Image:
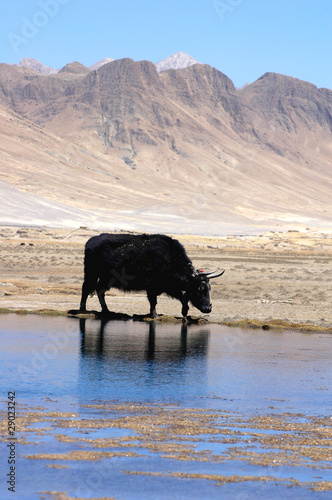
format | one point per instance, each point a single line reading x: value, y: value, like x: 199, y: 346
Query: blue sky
x: 242, y: 38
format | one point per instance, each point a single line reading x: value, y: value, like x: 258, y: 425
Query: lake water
x: 135, y: 410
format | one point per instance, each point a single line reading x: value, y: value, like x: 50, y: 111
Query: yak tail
x: 91, y: 272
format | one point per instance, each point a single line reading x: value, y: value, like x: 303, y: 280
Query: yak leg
x: 185, y: 308
x: 153, y: 302
x: 101, y: 290
x: 86, y: 289
x: 101, y: 297
x: 184, y: 299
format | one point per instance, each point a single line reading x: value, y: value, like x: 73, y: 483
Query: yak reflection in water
x: 133, y: 356
x: 115, y: 339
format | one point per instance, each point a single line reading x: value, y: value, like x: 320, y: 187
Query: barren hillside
x: 182, y: 150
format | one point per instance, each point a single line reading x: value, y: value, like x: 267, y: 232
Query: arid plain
x: 276, y: 278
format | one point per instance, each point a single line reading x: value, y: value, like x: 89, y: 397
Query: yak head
x: 200, y: 290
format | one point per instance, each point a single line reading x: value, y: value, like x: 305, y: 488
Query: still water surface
x: 65, y: 364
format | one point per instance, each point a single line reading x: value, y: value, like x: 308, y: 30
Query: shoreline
x: 273, y: 324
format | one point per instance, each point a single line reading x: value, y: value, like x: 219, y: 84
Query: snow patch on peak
x: 29, y: 62
x: 101, y: 63
x: 179, y: 60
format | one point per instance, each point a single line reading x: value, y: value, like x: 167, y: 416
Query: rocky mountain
x: 179, y: 60
x: 180, y: 150
x: 29, y: 62
x: 75, y: 67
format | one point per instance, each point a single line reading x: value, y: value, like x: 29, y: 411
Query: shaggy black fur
x: 155, y: 263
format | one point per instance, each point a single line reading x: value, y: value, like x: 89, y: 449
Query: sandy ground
x: 274, y: 276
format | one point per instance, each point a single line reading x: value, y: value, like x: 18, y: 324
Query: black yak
x: 154, y: 263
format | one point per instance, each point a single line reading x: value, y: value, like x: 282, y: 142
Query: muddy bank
x: 276, y: 279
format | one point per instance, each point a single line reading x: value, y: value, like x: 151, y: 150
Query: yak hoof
x: 105, y: 312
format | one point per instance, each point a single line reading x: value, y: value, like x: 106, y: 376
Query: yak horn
x: 211, y: 274
x: 203, y: 274
x: 216, y: 275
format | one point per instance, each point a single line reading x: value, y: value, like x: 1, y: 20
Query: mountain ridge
x: 179, y: 60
